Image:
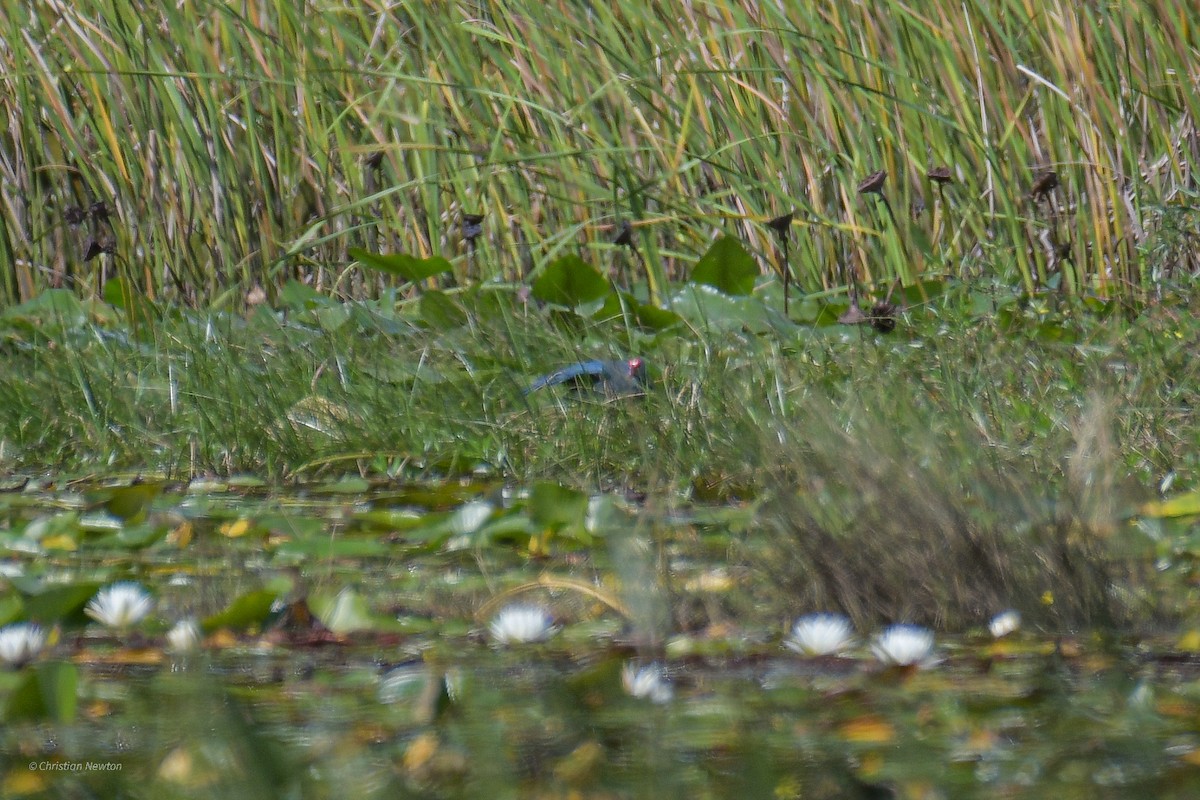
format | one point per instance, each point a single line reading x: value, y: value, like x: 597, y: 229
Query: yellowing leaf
x: 182, y: 536
x: 581, y: 766
x: 143, y: 656
x: 22, y: 781
x: 177, y: 767
x: 1190, y: 641
x: 1175, y: 708
x: 1185, y: 505
x: 870, y: 765
x: 180, y: 767
x: 222, y: 639
x: 60, y: 542
x: 235, y: 529
x: 868, y: 730
x: 97, y: 709
x: 420, y: 752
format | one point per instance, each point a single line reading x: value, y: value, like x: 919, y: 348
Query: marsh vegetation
x: 905, y: 307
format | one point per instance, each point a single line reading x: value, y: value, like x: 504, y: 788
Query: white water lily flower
x: 470, y: 516
x: 904, y: 645
x: 646, y: 683
x: 1004, y: 623
x: 184, y: 636
x: 820, y: 634
x: 21, y: 643
x: 120, y: 605
x: 520, y: 624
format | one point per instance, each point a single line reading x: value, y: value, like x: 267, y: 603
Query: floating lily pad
x: 553, y: 506
x: 48, y: 692
x: 61, y: 604
x: 246, y: 611
x: 344, y: 611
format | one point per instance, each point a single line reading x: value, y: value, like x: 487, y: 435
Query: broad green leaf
x: 137, y: 309
x: 403, y: 265
x: 61, y: 604
x: 300, y: 296
x: 345, y: 611
x: 511, y: 529
x: 708, y: 309
x: 248, y: 610
x: 325, y: 547
x: 553, y: 506
x: 647, y: 316
x: 11, y: 609
x: 440, y: 312
x: 130, y: 502
x: 333, y: 318
x: 653, y: 318
x: 387, y: 519
x: 51, y: 306
x: 47, y: 693
x: 570, y: 282
x: 132, y: 537
x: 350, y: 484
x: 727, y: 267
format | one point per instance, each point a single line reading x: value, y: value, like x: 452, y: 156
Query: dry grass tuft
x: 931, y: 527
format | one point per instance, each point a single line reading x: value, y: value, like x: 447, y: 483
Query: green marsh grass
x: 242, y: 145
x: 1006, y: 453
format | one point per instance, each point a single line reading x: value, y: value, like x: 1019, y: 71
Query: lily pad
x: 345, y: 611
x: 48, y: 692
x: 553, y: 506
x: 247, y: 610
x: 61, y: 604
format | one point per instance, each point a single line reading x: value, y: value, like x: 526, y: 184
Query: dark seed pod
x: 95, y: 248
x: 1044, y: 184
x: 940, y: 175
x: 472, y: 226
x: 781, y: 225
x: 883, y: 317
x: 624, y: 237
x: 873, y: 183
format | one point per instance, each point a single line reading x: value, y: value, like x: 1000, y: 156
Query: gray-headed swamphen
x: 611, y: 378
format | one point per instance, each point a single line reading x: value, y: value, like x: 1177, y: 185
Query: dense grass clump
x: 940, y: 526
x: 211, y: 152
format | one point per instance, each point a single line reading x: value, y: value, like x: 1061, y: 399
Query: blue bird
x: 613, y: 378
